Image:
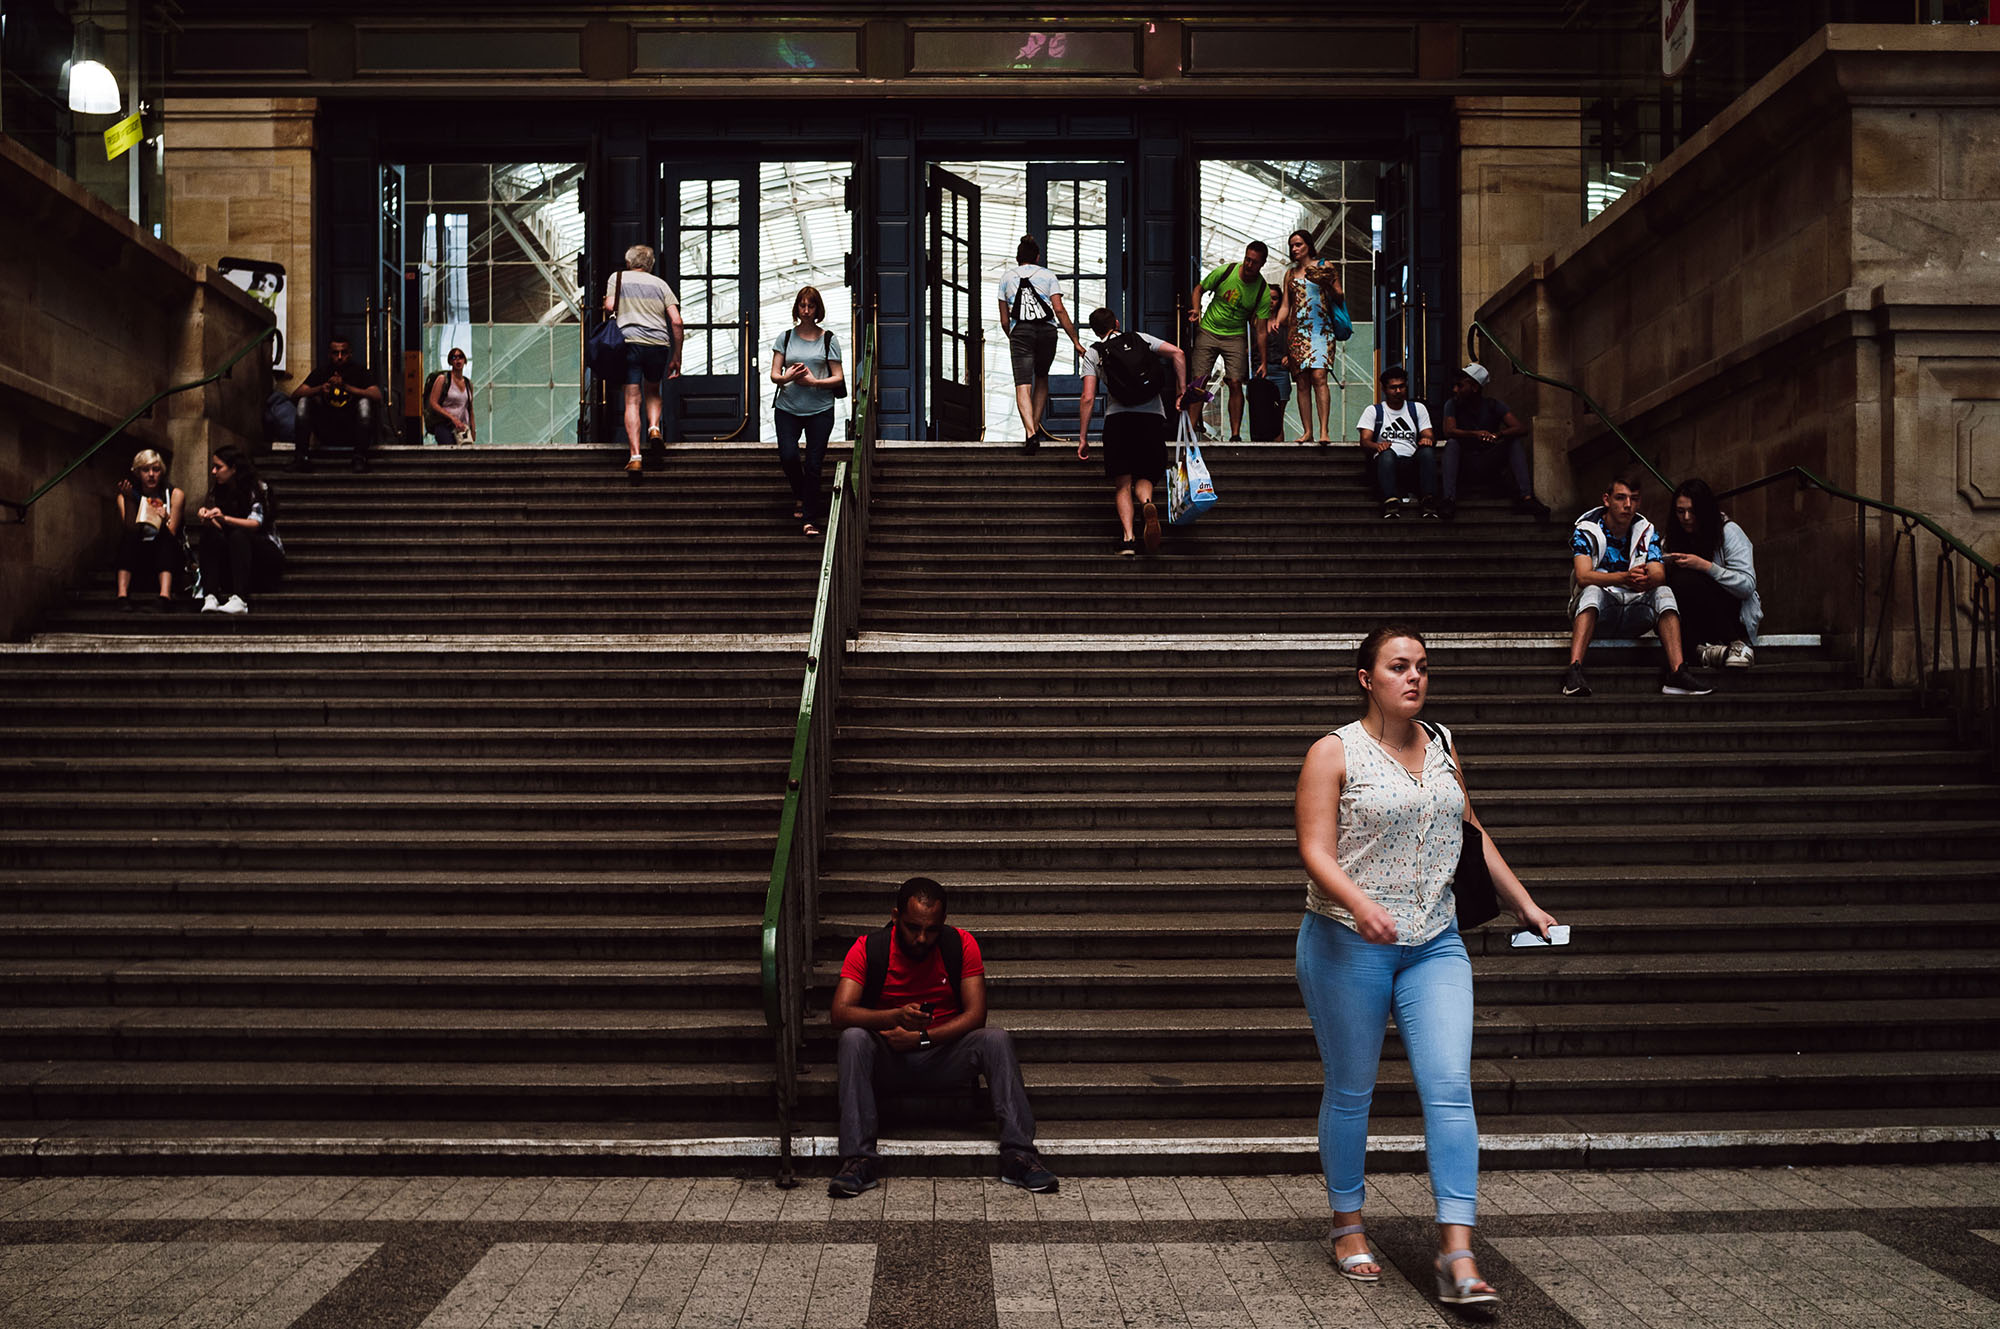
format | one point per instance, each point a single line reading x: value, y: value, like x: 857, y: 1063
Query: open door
x: 1397, y: 334
x: 708, y: 254
x: 1078, y: 212
x: 957, y: 413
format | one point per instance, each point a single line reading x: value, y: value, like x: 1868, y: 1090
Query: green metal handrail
x: 21, y: 509
x: 1811, y: 481
x: 1472, y: 349
x: 791, y: 899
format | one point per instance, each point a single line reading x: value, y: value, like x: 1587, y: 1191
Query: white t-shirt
x: 1112, y: 405
x: 1040, y: 281
x: 643, y: 301
x: 1400, y: 429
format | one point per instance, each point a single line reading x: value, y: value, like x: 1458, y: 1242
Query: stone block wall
x: 1812, y: 280
x: 1520, y: 173
x: 95, y: 317
x: 240, y: 185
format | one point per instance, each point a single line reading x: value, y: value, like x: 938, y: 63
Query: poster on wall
x: 265, y: 281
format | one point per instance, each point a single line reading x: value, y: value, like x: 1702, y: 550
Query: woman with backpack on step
x: 448, y: 403
x: 1312, y: 301
x: 806, y: 366
x: 238, y: 523
x: 1382, y: 814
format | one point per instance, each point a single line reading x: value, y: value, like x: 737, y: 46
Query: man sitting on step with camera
x: 911, y: 1009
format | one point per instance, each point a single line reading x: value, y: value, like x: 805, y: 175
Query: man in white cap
x: 1484, y: 438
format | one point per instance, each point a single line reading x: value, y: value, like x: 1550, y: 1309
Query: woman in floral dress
x: 1311, y: 290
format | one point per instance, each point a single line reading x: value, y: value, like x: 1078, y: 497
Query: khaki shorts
x: 1235, y: 353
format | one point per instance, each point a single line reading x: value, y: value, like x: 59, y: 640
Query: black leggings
x: 142, y: 557
x: 1710, y: 616
x: 236, y: 561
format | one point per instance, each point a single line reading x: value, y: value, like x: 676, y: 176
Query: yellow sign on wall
x: 122, y: 137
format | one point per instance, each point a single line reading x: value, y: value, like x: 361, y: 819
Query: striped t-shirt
x: 643, y: 301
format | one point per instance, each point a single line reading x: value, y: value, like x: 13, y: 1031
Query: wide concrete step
x: 367, y: 936
x: 404, y: 811
x: 1128, y: 803
x: 1558, y: 887
x: 466, y: 775
x: 664, y: 743
x: 424, y: 1034
x: 254, y: 713
x: 1019, y: 986
x: 650, y: 888
x: 1632, y: 929
x: 596, y: 983
x: 271, y: 615
x: 1278, y: 774
x: 255, y: 1090
x: 1251, y: 1035
x: 411, y: 848
x: 1753, y: 1082
x: 1640, y: 848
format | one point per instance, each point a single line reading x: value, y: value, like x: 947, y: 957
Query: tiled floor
x: 1915, y: 1247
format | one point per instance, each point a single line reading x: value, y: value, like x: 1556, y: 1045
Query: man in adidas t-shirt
x: 911, y: 1009
x: 1399, y: 446
x: 1135, y: 436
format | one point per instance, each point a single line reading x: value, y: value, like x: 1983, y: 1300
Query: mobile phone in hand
x: 929, y: 1009
x: 1558, y: 936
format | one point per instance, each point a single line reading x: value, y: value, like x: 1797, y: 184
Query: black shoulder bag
x: 1471, y: 883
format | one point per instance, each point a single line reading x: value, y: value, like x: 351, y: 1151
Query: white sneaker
x: 235, y: 604
x: 1740, y: 656
x: 210, y: 605
x: 1710, y: 656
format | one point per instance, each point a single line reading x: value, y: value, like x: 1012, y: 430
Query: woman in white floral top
x: 1379, y: 809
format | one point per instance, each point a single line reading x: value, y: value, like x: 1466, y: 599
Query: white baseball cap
x: 1477, y: 373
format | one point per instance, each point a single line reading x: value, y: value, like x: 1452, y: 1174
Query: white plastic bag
x: 1190, y: 488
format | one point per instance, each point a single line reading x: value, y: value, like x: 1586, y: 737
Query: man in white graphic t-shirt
x: 1399, y: 448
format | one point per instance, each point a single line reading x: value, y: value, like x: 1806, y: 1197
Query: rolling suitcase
x: 1267, y: 411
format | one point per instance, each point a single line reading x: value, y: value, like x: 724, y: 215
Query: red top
x: 924, y: 981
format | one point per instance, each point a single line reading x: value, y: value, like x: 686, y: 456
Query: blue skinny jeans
x: 1350, y: 986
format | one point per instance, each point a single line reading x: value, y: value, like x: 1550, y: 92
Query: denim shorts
x: 647, y: 361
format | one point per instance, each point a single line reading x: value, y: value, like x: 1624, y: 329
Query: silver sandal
x: 1346, y: 1263
x: 1462, y: 1291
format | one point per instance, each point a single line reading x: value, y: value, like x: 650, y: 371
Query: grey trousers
x: 868, y: 1064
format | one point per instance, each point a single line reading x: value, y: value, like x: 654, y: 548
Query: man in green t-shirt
x: 1241, y: 296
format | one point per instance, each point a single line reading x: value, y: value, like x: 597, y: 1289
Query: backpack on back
x: 951, y: 946
x: 1132, y: 374
x: 431, y: 416
x: 1029, y: 307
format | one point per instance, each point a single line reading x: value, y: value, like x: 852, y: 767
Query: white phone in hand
x: 1558, y: 936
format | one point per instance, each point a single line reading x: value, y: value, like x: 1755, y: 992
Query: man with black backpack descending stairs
x: 1130, y: 368
x: 911, y: 1009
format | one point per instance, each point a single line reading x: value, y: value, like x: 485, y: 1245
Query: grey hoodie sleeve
x: 1734, y: 567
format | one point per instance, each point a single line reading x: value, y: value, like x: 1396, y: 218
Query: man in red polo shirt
x: 911, y: 1009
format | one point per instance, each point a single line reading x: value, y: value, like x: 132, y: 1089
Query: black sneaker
x: 1031, y: 443
x: 302, y: 461
x: 1680, y: 683
x: 1128, y: 548
x: 1429, y: 509
x: 1392, y: 508
x: 855, y: 1176
x: 360, y: 462
x: 1573, y: 684
x: 1236, y: 438
x: 1026, y: 1171
x: 124, y: 604
x: 1528, y: 503
x: 1448, y: 508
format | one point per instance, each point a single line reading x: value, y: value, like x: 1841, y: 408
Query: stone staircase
x: 267, y: 878
x: 462, y: 836
x: 1798, y: 929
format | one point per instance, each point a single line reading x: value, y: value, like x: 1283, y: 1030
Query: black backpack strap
x: 877, y: 954
x: 951, y: 945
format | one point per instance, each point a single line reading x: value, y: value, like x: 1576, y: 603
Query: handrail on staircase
x: 1479, y: 329
x: 791, y: 903
x: 1972, y: 681
x: 20, y: 510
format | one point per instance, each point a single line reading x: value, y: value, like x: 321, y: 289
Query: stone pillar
x: 240, y: 185
x: 1520, y: 189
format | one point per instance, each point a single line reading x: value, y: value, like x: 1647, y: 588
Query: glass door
x: 708, y: 254
x: 956, y: 328
x: 1079, y: 213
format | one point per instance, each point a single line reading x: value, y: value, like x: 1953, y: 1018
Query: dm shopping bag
x: 1190, y: 488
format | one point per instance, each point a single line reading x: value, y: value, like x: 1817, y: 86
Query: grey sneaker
x: 1710, y: 656
x: 1026, y: 1171
x: 1573, y: 684
x: 1680, y: 683
x: 1739, y: 656
x: 855, y: 1176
